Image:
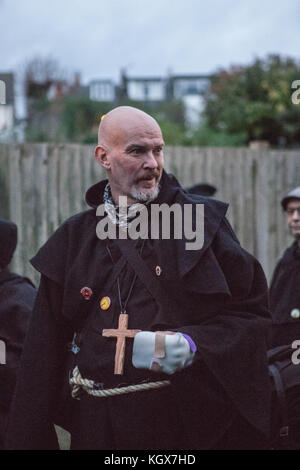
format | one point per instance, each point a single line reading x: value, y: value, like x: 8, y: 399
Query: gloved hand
x: 161, y: 351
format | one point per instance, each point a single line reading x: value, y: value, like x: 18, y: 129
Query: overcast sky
x: 98, y: 37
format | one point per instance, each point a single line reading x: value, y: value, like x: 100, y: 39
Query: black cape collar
x: 171, y: 192
x: 292, y: 253
x: 296, y: 250
x: 169, y: 188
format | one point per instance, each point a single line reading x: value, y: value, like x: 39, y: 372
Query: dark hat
x: 8, y: 241
x: 203, y: 189
x: 294, y: 194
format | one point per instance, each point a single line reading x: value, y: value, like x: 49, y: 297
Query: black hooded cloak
x: 217, y: 295
x: 17, y: 296
x: 285, y: 298
x: 8, y: 241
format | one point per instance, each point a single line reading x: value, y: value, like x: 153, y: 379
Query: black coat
x: 17, y: 295
x: 285, y: 297
x: 217, y: 295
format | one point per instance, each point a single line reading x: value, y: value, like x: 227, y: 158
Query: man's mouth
x: 149, y: 178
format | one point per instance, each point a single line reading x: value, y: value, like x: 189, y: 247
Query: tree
x: 256, y: 100
x: 42, y: 70
x: 80, y: 118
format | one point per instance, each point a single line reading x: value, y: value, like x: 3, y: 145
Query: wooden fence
x: 43, y: 184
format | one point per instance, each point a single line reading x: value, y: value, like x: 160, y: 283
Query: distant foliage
x: 255, y: 101
x: 80, y: 119
x: 242, y: 104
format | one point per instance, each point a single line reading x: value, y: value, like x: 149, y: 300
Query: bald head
x: 130, y: 148
x: 122, y: 121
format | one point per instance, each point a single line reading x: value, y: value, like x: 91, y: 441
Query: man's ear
x: 101, y: 157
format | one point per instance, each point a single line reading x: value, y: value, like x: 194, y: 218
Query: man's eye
x: 136, y: 151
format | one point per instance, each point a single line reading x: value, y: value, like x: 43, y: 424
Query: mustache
x: 149, y: 175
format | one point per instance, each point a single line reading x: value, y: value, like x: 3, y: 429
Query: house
x: 189, y: 89
x: 148, y: 89
x: 52, y: 90
x: 152, y: 90
x: 102, y: 90
x: 188, y: 85
x: 45, y: 105
x: 7, y: 103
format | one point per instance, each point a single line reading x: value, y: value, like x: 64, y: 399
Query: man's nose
x: 296, y: 215
x: 150, y: 161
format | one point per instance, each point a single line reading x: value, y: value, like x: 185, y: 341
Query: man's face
x: 293, y: 217
x: 136, y: 163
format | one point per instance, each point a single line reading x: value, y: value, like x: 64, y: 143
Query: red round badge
x: 86, y: 293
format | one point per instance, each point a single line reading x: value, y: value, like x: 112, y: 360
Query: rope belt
x: 78, y: 383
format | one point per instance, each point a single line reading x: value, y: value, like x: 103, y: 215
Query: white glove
x: 161, y: 351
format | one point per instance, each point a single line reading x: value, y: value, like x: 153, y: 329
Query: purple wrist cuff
x: 193, y: 347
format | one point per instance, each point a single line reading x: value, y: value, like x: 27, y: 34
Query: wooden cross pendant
x: 121, y: 334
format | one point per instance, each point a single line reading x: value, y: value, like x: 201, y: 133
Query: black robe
x: 285, y: 297
x: 17, y: 296
x: 217, y: 295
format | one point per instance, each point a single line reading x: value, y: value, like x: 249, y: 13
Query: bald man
x: 130, y: 149
x: 140, y: 342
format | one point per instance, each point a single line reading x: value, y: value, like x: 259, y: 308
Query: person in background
x: 17, y: 296
x: 202, y: 189
x: 285, y: 284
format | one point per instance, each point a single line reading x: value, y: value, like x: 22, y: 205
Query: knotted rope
x: 78, y: 383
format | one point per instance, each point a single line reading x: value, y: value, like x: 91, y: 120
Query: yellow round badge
x: 105, y: 303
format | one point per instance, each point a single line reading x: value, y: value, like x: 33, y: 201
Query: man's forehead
x: 154, y: 138
x: 140, y: 135
x: 293, y: 203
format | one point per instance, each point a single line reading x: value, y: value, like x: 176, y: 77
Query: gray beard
x: 145, y: 196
